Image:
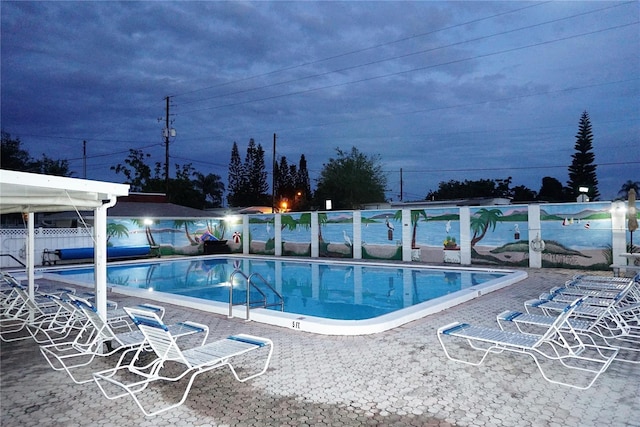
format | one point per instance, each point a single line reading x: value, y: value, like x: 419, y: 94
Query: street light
x: 583, y: 194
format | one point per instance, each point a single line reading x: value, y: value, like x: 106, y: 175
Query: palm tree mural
x: 218, y: 229
x: 146, y: 223
x: 116, y: 229
x: 481, y: 221
x: 181, y: 223
x: 322, y: 221
x: 305, y: 220
x: 287, y: 221
x: 415, y: 218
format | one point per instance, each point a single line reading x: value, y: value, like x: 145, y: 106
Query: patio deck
x: 395, y: 378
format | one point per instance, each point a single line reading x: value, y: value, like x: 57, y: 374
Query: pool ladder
x: 251, y: 283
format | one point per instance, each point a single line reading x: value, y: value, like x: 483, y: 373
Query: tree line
x: 349, y: 179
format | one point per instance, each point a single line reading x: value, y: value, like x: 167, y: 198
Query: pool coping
x: 319, y: 325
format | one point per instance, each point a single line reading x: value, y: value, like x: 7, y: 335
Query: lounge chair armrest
x: 508, y: 315
x: 252, y: 339
x: 449, y: 327
x: 158, y: 309
x: 197, y: 326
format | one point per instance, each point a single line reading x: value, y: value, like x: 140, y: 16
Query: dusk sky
x: 440, y: 90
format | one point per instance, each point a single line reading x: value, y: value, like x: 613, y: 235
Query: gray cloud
x: 443, y: 90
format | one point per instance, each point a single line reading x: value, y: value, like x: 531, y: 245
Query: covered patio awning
x: 22, y: 192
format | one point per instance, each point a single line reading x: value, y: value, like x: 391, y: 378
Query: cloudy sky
x: 439, y: 90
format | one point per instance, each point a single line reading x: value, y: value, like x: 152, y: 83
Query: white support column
x: 465, y: 235
x: 30, y: 253
x: 100, y: 257
x: 535, y: 237
x: 619, y: 232
x: 357, y: 235
x: 245, y: 234
x: 277, y: 234
x: 406, y: 234
x: 315, y: 229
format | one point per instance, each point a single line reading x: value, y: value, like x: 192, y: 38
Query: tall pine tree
x: 303, y: 184
x: 582, y: 172
x: 236, y: 178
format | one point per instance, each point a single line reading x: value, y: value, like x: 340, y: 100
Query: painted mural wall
x: 380, y: 239
x: 577, y: 235
x: 335, y: 238
x: 435, y: 235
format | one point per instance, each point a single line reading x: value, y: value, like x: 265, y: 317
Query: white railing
x: 12, y: 246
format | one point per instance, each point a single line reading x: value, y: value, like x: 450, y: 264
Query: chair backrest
x: 27, y: 303
x: 561, y: 323
x: 156, y: 334
x: 104, y: 331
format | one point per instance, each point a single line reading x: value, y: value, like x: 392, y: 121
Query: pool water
x: 330, y: 290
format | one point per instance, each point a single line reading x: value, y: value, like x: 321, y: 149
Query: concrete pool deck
x: 400, y: 377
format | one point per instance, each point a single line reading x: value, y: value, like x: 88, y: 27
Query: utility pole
x: 166, y: 143
x: 167, y: 133
x: 84, y: 158
x: 401, y: 184
x: 273, y: 177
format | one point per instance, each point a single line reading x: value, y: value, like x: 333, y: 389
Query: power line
x: 342, y: 70
x: 436, y: 170
x: 397, y: 73
x: 340, y: 55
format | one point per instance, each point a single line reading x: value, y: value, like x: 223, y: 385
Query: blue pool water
x: 332, y: 290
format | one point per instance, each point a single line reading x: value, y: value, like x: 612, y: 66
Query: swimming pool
x: 329, y: 297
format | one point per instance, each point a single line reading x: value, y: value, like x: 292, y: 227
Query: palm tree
x: 116, y: 229
x: 147, y: 229
x: 211, y: 186
x: 481, y: 222
x: 415, y: 218
x: 624, y: 190
x: 288, y: 222
x: 181, y: 223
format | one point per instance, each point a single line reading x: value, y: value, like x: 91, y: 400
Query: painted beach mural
x: 296, y: 234
x: 168, y: 237
x: 500, y: 235
x: 262, y: 234
x: 571, y: 235
x: 335, y: 236
x: 435, y: 234
x: 577, y: 235
x: 381, y: 234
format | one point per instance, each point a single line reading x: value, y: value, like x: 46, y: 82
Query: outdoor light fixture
x: 148, y: 221
x: 327, y: 204
x: 583, y: 194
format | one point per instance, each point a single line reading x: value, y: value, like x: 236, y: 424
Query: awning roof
x: 29, y: 192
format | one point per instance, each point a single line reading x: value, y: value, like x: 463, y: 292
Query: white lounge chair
x: 25, y: 311
x: 625, y: 339
x: 623, y: 310
x: 132, y: 380
x: 559, y: 343
x: 88, y: 344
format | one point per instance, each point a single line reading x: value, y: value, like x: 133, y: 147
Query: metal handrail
x: 271, y: 288
x: 14, y: 258
x: 250, y: 284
